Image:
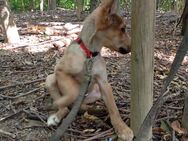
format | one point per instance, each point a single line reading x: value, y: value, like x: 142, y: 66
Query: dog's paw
x: 125, y: 133
x: 53, y: 120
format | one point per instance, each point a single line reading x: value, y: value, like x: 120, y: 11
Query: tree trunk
x: 143, y: 17
x: 185, y: 113
x: 7, y: 23
x: 184, y: 19
x: 41, y: 5
x: 185, y: 33
x: 51, y: 4
x: 79, y: 8
x: 32, y: 5
x: 23, y: 6
x: 158, y: 4
x: 179, y: 4
x: 117, y: 3
x: 93, y: 5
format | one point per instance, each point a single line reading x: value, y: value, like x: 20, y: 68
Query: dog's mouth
x: 123, y: 51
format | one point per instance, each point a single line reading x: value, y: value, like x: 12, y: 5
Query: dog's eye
x: 123, y: 29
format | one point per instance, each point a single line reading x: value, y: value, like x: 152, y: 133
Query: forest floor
x: 24, y: 101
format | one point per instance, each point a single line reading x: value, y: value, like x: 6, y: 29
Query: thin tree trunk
x: 143, y: 15
x: 51, y: 4
x: 185, y: 33
x: 185, y: 113
x: 41, y: 5
x: 79, y: 8
x: 7, y: 23
x: 117, y: 3
x: 23, y: 6
x: 180, y: 54
x: 93, y: 5
x: 33, y: 5
x: 158, y: 4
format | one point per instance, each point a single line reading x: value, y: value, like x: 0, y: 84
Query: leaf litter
x: 25, y: 103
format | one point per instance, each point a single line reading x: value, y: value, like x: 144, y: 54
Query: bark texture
x: 143, y: 17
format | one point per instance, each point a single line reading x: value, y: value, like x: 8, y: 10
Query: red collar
x: 87, y: 52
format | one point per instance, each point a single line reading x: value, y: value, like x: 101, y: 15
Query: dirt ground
x: 24, y: 101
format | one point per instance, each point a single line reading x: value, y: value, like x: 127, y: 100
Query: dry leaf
x: 89, y: 130
x: 177, y: 127
x: 158, y: 130
x: 90, y: 117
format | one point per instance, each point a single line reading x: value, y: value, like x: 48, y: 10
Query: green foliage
x: 167, y: 5
x: 25, y: 5
x: 28, y: 5
x: 68, y: 4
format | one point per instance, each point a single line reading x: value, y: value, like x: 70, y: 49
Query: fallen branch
x: 11, y: 115
x: 24, y: 83
x: 20, y: 95
x: 33, y: 116
x: 91, y: 110
x: 102, y: 134
x: 37, y: 44
x: 7, y: 134
x: 71, y: 116
x: 185, y: 112
x: 36, y: 115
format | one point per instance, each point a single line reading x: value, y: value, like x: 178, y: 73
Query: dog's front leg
x: 123, y: 131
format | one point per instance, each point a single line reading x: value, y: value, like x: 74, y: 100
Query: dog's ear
x: 106, y: 14
x: 114, y: 7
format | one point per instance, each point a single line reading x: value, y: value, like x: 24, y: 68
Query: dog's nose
x: 123, y: 50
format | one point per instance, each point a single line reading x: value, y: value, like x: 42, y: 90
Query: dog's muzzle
x: 123, y: 51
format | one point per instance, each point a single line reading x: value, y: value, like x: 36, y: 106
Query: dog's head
x: 110, y: 27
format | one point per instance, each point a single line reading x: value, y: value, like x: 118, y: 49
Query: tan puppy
x: 102, y: 28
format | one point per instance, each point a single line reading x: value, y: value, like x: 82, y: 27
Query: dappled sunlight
x: 45, y: 36
x: 168, y: 58
x: 43, y: 41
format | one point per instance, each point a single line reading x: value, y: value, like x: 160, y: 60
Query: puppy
x: 103, y: 27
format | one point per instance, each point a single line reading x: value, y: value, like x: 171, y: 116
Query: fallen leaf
x: 177, y: 127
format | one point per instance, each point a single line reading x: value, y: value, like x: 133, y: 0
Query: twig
x: 73, y: 136
x: 22, y: 94
x: 83, y: 89
x: 174, y: 108
x: 99, y: 135
x: 24, y: 83
x: 38, y: 44
x: 36, y: 115
x: 7, y: 134
x: 166, y: 118
x: 11, y: 115
x: 173, y: 136
x: 148, y: 121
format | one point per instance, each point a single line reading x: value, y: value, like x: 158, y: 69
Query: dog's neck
x: 93, y: 43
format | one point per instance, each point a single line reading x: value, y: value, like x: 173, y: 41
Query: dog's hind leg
x: 51, y: 85
x: 123, y: 131
x: 70, y: 88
